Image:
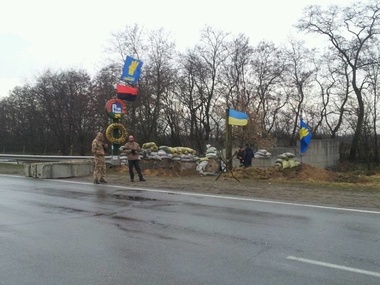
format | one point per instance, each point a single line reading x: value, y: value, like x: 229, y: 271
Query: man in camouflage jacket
x: 97, y: 149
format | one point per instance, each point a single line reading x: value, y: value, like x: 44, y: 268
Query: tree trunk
x: 359, y: 126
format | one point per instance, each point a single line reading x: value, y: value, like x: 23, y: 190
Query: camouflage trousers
x: 99, y: 167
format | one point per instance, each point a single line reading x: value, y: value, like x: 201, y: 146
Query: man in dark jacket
x: 240, y: 155
x: 248, y: 155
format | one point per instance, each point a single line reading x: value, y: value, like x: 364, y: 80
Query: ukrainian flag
x: 237, y: 118
x: 305, y: 136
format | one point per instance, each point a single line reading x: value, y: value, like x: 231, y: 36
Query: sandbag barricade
x: 208, y: 165
x: 151, y: 151
x: 286, y: 160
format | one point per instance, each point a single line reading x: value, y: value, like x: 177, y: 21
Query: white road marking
x: 335, y: 266
x: 225, y: 197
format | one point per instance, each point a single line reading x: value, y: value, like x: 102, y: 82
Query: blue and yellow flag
x: 131, y: 70
x: 305, y: 136
x: 237, y: 118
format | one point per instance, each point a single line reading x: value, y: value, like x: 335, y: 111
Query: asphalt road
x: 62, y: 232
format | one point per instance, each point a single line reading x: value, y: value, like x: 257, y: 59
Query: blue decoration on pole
x: 131, y: 70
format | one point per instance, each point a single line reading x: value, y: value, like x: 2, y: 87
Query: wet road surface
x: 61, y: 232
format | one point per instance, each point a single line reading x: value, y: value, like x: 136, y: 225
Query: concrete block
x: 62, y: 169
x: 84, y: 168
x: 43, y: 170
x: 33, y: 170
x: 27, y: 168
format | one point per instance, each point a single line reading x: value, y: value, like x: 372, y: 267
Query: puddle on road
x: 123, y: 218
x: 132, y: 197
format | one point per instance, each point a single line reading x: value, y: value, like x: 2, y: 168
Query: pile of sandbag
x: 262, y: 153
x: 286, y: 160
x: 211, y: 151
x: 210, y: 164
x: 151, y: 151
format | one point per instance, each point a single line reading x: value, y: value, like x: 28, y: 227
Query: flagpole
x: 301, y: 154
x: 228, y: 141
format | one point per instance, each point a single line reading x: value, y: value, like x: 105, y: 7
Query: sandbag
x: 149, y: 145
x: 211, y: 149
x: 201, y: 167
x: 282, y: 156
x: 289, y: 154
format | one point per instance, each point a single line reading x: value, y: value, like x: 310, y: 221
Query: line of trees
x: 183, y: 96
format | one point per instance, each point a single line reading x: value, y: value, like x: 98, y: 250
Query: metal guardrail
x: 51, y: 158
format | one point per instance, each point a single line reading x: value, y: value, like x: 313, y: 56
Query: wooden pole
x: 228, y: 141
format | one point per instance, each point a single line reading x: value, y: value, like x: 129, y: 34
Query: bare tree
x: 156, y: 83
x: 21, y: 125
x: 64, y: 98
x: 211, y: 52
x: 268, y: 66
x: 236, y: 87
x: 186, y: 92
x: 130, y: 41
x: 103, y: 89
x: 199, y: 86
x: 333, y: 81
x: 372, y: 97
x: 351, y: 31
x: 300, y: 69
x: 234, y: 77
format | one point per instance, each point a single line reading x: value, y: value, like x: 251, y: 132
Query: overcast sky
x: 39, y: 34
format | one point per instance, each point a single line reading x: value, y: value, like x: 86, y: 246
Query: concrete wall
x: 61, y: 169
x: 321, y: 153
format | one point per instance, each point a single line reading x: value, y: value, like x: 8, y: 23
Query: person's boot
x: 102, y: 180
x: 142, y: 179
x: 132, y: 180
x: 96, y: 181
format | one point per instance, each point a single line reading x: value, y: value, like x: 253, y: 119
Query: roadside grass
x: 353, y: 182
x: 11, y: 168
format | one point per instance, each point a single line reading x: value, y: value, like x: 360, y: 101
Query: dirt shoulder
x: 306, y: 185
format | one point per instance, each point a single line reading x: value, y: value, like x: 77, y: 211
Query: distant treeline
x: 183, y: 96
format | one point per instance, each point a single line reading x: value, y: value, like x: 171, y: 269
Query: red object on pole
x: 127, y: 93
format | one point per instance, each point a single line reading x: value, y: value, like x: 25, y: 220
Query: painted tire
x: 116, y: 108
x: 109, y: 133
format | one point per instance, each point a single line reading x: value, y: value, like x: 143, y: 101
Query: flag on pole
x: 131, y: 70
x: 305, y: 136
x: 237, y: 118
